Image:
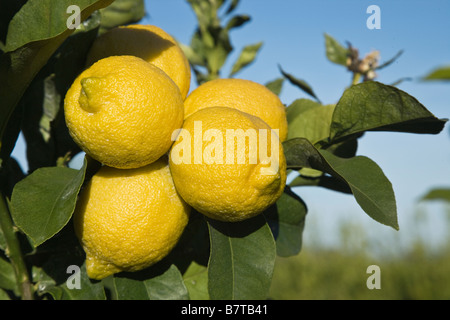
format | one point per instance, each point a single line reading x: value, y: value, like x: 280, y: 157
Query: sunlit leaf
x: 335, y: 52
x: 247, y: 56
x: 168, y: 286
x: 43, y: 202
x: 440, y: 194
x: 275, y: 85
x: 122, y: 12
x: 309, y: 120
x: 196, y: 281
x: 442, y: 73
x: 373, y: 106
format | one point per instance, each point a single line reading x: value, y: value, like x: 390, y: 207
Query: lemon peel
x: 223, y: 181
x: 128, y: 220
x: 122, y: 111
x: 150, y: 43
x: 241, y: 94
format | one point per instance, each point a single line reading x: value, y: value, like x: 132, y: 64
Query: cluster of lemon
x: 128, y: 110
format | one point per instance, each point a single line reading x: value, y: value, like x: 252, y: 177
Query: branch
x: 14, y: 253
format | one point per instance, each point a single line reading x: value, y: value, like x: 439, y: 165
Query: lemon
x: 244, y: 95
x: 227, y: 164
x: 130, y: 219
x: 122, y: 111
x: 148, y: 42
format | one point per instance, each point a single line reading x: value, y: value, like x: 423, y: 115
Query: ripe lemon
x: 122, y: 111
x: 148, y: 42
x: 224, y: 168
x: 130, y: 219
x: 244, y: 95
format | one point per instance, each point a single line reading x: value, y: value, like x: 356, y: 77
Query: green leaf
x: 195, y: 58
x: 121, y: 12
x: 166, y: 285
x: 309, y: 120
x: 7, y: 276
x: 299, y: 106
x: 2, y: 240
x: 198, y: 49
x: 29, y: 48
x: 247, y: 56
x: 242, y: 259
x: 43, y: 202
x: 129, y: 289
x: 217, y: 47
x: 205, y: 12
x: 287, y: 221
x: 275, y: 85
x: 196, y: 281
x: 336, y: 53
x: 49, y: 19
x: 442, y: 194
x: 237, y: 21
x: 299, y: 83
x: 370, y: 187
x: 372, y: 190
x: 51, y: 105
x: 4, y: 295
x: 232, y: 7
x: 442, y: 73
x: 373, y: 106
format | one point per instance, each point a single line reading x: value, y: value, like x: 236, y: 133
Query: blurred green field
x: 418, y: 272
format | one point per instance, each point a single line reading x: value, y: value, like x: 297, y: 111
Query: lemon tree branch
x: 14, y: 253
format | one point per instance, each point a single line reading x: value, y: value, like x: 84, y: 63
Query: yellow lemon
x: 244, y: 95
x: 122, y: 111
x: 227, y: 164
x: 130, y: 219
x: 148, y: 42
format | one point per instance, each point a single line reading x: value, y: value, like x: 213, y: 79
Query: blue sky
x: 293, y: 36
